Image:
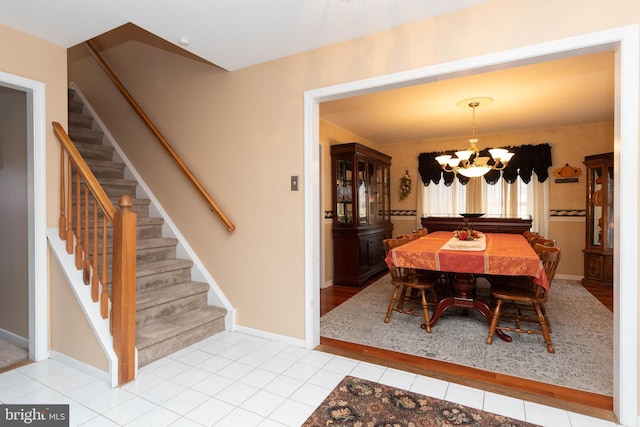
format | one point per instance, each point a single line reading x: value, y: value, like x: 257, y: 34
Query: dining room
x: 564, y: 218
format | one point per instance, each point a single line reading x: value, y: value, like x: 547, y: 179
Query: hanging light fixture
x: 468, y: 162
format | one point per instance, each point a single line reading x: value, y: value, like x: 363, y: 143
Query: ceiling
x: 565, y: 92
x: 234, y: 34
x: 231, y: 34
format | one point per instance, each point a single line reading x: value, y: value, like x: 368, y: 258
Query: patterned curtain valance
x: 526, y: 160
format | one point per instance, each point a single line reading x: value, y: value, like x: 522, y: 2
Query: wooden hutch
x: 598, y: 251
x: 361, y: 216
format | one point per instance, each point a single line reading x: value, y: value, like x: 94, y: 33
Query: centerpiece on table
x: 465, y: 231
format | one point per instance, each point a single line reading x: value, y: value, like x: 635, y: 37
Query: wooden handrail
x: 87, y: 257
x: 163, y: 141
x: 83, y: 169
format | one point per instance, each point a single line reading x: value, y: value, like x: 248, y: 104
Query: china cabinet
x: 598, y: 251
x: 361, y: 216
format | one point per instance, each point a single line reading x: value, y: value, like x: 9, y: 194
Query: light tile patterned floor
x: 238, y: 380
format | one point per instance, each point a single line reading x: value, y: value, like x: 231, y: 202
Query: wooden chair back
x: 421, y: 232
x: 542, y: 241
x: 550, y: 256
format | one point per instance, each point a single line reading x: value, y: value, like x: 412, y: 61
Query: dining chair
x: 410, y: 237
x: 404, y: 279
x: 421, y: 232
x: 542, y: 241
x: 526, y: 296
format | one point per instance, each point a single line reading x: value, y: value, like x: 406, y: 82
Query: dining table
x: 491, y: 254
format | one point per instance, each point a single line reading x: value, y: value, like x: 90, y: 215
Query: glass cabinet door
x: 608, y: 208
x: 344, y: 191
x: 596, y: 219
x: 363, y: 192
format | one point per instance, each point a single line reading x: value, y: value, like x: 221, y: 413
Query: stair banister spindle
x: 86, y: 264
x: 94, y: 278
x: 69, y: 238
x: 104, y: 298
x: 78, y: 231
x: 62, y: 223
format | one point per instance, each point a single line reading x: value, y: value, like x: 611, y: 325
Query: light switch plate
x: 294, y: 183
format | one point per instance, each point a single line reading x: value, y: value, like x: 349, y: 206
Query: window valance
x: 526, y: 160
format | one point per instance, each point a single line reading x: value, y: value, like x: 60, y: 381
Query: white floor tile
x: 185, y: 401
x: 545, y: 415
x: 317, y: 359
x: 185, y: 422
x: 191, y: 376
x: 464, y: 395
x: 170, y: 369
x: 278, y: 364
x: 109, y: 399
x: 240, y: 417
x: 340, y: 365
x: 300, y: 371
x: 585, y: 421
x: 162, y: 392
x: 235, y: 371
x: 292, y: 413
x: 236, y: 393
x: 326, y: 379
x: 504, y: 405
x: 210, y: 411
x: 258, y: 378
x: 100, y: 421
x: 157, y: 417
x: 215, y: 363
x: 194, y: 357
x: 396, y: 378
x: 212, y: 385
x: 368, y: 371
x: 263, y: 402
x: 129, y: 410
x: 432, y: 387
x: 310, y: 394
x: 283, y: 386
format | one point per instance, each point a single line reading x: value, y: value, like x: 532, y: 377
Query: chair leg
x: 425, y: 311
x: 394, y: 296
x: 544, y: 313
x: 544, y: 328
x: 494, y: 321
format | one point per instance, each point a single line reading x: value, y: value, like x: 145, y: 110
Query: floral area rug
x: 356, y: 402
x: 581, y: 330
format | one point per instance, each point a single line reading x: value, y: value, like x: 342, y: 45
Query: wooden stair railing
x: 75, y: 227
x: 163, y: 141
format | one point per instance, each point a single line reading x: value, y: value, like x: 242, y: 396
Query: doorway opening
x: 625, y: 43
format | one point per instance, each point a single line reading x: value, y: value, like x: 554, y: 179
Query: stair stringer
x: 215, y: 295
x: 90, y: 309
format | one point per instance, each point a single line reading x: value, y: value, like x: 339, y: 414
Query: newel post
x: 123, y: 292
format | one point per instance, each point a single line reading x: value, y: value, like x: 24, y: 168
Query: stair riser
x: 183, y: 305
x: 114, y: 191
x: 163, y: 279
x: 142, y: 255
x: 161, y: 349
x: 95, y: 154
x: 107, y: 172
x: 142, y: 232
x: 142, y: 209
x: 80, y: 120
x: 86, y: 135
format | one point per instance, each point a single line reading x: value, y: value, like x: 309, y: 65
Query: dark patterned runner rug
x: 356, y: 402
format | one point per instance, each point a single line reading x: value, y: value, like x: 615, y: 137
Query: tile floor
x: 234, y: 379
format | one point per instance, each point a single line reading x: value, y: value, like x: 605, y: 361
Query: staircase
x: 171, y: 309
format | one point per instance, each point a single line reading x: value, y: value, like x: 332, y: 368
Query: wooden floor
x: 560, y: 397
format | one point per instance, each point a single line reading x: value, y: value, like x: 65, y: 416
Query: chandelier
x: 468, y: 162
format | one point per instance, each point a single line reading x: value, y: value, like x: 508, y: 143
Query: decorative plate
x: 471, y: 215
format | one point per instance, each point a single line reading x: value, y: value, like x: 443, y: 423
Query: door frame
x: 36, y: 212
x: 625, y: 41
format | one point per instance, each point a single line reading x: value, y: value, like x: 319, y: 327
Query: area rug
x: 582, y: 334
x: 11, y: 354
x: 357, y: 402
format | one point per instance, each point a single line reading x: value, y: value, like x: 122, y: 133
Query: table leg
x: 464, y: 287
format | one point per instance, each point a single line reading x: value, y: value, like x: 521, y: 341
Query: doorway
x: 625, y: 42
x: 29, y: 97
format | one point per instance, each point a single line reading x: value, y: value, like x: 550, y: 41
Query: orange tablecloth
x: 506, y: 254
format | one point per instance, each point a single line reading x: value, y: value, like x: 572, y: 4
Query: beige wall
x: 242, y: 133
x: 34, y: 59
x: 14, y: 293
x: 69, y: 335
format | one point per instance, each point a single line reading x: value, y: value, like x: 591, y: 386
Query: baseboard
x: 82, y: 367
x: 270, y: 336
x: 14, y: 339
x: 568, y: 277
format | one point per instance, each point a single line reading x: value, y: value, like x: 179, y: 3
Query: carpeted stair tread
x: 90, y: 150
x: 176, y: 325
x: 168, y: 294
x: 164, y: 266
x: 80, y: 120
x: 90, y: 136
